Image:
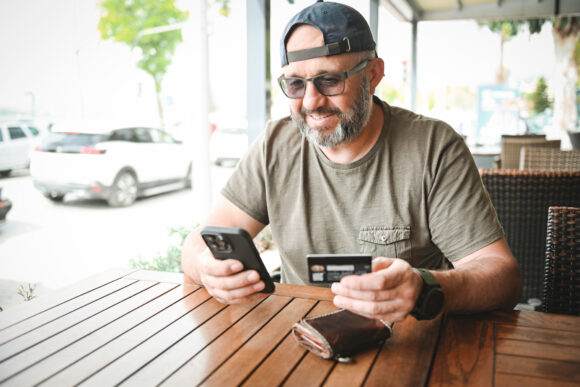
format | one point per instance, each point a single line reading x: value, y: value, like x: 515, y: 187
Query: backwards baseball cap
x: 344, y: 30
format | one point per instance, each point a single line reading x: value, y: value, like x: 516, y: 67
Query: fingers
x: 392, y: 272
x: 388, y: 293
x: 237, y: 296
x: 225, y: 280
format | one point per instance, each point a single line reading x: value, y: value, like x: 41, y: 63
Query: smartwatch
x: 430, y: 301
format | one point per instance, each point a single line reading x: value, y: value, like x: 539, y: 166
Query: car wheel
x: 124, y: 190
x: 54, y: 197
x: 5, y: 173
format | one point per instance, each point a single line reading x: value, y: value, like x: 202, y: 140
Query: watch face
x: 433, y: 302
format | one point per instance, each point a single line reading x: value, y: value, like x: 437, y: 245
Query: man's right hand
x: 225, y: 280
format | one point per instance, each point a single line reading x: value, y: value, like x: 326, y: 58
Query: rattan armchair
x: 574, y: 139
x: 521, y: 200
x: 549, y: 159
x: 511, y: 147
x: 562, y: 264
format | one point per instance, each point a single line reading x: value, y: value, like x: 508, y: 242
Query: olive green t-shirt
x: 416, y: 195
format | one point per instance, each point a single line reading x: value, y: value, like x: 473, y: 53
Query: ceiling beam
x: 505, y: 10
x: 401, y: 9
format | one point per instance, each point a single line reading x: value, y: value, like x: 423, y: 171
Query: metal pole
x: 374, y: 19
x: 202, y: 188
x: 414, y: 23
x: 257, y: 89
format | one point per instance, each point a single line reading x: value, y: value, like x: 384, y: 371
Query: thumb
x: 381, y: 263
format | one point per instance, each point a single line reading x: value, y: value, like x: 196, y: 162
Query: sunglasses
x: 328, y: 84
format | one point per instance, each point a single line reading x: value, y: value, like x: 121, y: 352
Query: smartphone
x: 236, y: 243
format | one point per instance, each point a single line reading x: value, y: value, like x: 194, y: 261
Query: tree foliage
x: 127, y: 21
x: 539, y: 97
x: 566, y: 35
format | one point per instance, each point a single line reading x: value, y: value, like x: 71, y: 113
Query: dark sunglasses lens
x: 293, y: 87
x: 329, y: 84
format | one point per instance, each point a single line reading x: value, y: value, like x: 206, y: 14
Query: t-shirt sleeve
x: 462, y: 219
x: 246, y: 188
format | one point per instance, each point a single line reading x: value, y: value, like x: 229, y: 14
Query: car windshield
x: 71, y: 141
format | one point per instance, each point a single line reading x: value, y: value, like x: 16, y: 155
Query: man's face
x: 327, y: 121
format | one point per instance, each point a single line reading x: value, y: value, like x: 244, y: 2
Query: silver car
x: 17, y: 140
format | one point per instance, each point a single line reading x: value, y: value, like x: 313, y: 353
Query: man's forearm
x: 489, y: 281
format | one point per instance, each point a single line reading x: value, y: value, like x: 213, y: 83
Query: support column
x: 414, y: 58
x: 258, y: 88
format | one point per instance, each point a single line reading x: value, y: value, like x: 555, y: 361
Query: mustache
x: 320, y: 110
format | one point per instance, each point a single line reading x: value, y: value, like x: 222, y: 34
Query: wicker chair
x: 511, y: 148
x: 521, y: 200
x: 562, y: 265
x: 549, y: 159
x: 574, y: 139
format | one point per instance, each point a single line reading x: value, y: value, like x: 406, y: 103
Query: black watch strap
x: 430, y: 301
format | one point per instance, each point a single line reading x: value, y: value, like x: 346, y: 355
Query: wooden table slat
x: 139, y: 356
x: 76, y: 331
x: 212, y: 356
x: 20, y: 312
x: 560, y: 322
x: 210, y: 320
x: 251, y: 354
x: 353, y: 374
x: 159, y: 276
x: 540, y: 368
x: 285, y: 357
x: 298, y: 291
x: 538, y: 350
x: 502, y: 379
x: 107, y: 352
x: 90, y: 343
x: 458, y: 363
x: 39, y: 319
x: 405, y: 358
x: 67, y: 321
x: 550, y: 336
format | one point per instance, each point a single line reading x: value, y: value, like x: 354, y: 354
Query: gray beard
x: 350, y: 124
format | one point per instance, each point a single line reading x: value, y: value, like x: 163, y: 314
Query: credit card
x: 328, y: 268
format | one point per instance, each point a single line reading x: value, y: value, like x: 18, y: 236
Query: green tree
x: 133, y: 22
x: 539, y: 98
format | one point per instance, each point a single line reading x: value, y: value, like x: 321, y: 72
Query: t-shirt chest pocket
x: 390, y: 242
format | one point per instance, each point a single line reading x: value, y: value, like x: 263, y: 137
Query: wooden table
x: 148, y: 328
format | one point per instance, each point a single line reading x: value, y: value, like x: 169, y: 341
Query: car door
x: 128, y: 150
x: 146, y: 158
x: 170, y: 154
x: 16, y: 147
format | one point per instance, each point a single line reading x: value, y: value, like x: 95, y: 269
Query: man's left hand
x: 388, y: 293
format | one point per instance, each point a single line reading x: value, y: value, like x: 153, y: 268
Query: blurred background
x: 205, y: 73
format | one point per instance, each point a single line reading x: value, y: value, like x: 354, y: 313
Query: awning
x: 422, y: 10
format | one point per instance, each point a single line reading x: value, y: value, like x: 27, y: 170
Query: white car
x: 117, y: 165
x: 17, y: 140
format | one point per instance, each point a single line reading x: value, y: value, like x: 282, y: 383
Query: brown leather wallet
x: 340, y: 334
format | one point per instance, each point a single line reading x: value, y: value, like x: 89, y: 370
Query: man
x: 348, y: 173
